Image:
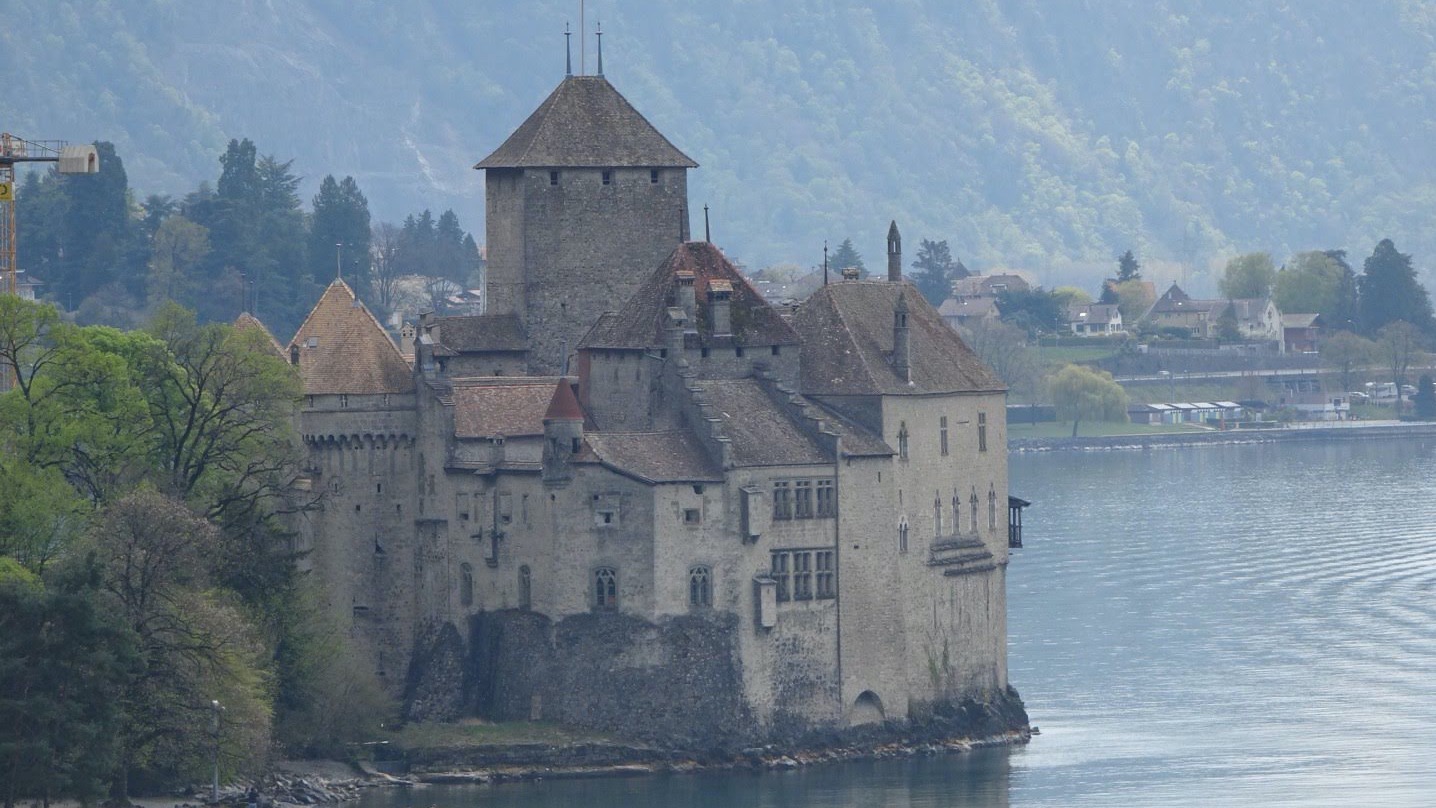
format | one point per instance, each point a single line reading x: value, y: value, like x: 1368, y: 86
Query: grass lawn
x: 473, y: 732
x: 1060, y: 356
x: 1093, y: 429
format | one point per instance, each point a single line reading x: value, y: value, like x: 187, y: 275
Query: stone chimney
x: 902, y: 345
x: 720, y: 300
x: 686, y: 295
x: 894, y: 254
x: 562, y: 432
x: 406, y: 339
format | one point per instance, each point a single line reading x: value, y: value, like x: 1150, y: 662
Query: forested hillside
x: 1035, y: 134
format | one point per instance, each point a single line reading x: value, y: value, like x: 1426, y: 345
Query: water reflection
x: 1246, y: 625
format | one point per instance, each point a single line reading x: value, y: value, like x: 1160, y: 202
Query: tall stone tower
x: 584, y: 200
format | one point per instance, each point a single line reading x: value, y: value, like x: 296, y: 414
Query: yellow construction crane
x: 70, y: 160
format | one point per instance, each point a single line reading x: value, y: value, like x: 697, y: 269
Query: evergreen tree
x: 1425, y: 398
x: 1127, y: 268
x: 846, y: 257
x: 1389, y: 291
x: 449, y: 249
x: 341, y: 216
x: 935, y: 271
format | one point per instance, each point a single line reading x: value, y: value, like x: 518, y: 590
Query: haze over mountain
x: 1050, y: 136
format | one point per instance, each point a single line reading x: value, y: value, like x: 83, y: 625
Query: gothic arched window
x: 972, y: 511
x: 700, y: 587
x: 902, y: 440
x: 605, y: 588
x: 902, y: 535
x: 466, y: 584
x: 526, y: 588
x: 991, y: 507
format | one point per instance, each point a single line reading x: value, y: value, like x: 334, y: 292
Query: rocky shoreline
x: 301, y: 783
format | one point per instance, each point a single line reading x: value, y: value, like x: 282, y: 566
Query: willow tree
x: 1080, y: 393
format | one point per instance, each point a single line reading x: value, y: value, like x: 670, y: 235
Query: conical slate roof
x: 564, y: 404
x: 344, y: 350
x: 248, y: 322
x: 586, y: 123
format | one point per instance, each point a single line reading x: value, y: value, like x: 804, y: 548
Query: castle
x: 634, y: 496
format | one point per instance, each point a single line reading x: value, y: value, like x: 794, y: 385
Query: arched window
x: 526, y: 588
x: 902, y: 440
x: 466, y: 585
x: 991, y: 507
x: 700, y: 587
x: 956, y: 511
x: 605, y: 588
x: 937, y: 513
x: 972, y: 511
x: 942, y: 434
x: 902, y: 535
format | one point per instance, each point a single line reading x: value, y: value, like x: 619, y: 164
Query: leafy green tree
x: 1081, y: 394
x: 1069, y: 296
x: 1346, y: 352
x: 1346, y: 308
x: 1390, y: 291
x: 846, y: 257
x: 194, y: 646
x: 1035, y: 311
x: 1311, y: 282
x: 1425, y: 398
x: 177, y: 251
x: 936, y: 270
x: 64, y: 662
x: 1127, y: 268
x: 1133, y: 298
x: 1248, y: 276
x: 1398, y: 344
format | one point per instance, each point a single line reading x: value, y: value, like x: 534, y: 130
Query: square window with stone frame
x: 827, y: 500
x: 782, y: 500
x: 802, y: 576
x: 803, y: 499
x: 827, y: 577
x: 778, y: 571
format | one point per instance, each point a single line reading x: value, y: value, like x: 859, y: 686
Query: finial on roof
x: 567, y: 51
x: 338, y: 266
x: 825, y: 262
x: 600, y: 48
x: 707, y: 233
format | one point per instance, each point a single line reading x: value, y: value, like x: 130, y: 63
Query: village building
x: 632, y: 495
x: 1095, y: 320
x: 1249, y: 319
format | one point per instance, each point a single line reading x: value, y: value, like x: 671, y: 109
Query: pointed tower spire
x: 600, y: 48
x: 567, y: 51
x: 894, y: 254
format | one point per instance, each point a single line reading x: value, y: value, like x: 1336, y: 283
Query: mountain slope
x: 1045, y: 135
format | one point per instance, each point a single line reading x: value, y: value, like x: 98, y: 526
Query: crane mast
x: 15, y: 150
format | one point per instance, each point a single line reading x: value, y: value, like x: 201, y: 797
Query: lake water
x: 1235, y: 625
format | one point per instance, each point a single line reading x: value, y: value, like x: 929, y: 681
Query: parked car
x: 1358, y: 397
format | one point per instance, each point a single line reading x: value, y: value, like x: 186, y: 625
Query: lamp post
x: 214, y: 783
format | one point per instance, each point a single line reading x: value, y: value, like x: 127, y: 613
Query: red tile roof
x: 344, y: 350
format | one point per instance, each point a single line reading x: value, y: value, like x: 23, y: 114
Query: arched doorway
x: 867, y: 709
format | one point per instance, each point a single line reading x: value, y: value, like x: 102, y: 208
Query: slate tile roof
x: 657, y: 457
x: 586, y: 123
x: 482, y: 332
x: 508, y: 407
x: 248, y: 322
x: 847, y: 332
x: 344, y: 350
x: 856, y: 438
x: 762, y: 431
x: 641, y: 321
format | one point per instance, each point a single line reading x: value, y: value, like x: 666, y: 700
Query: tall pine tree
x: 1390, y: 292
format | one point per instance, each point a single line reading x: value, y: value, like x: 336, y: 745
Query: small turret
x: 902, y: 346
x: 562, y: 432
x: 894, y: 254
